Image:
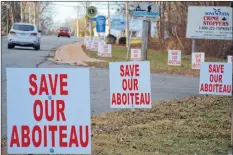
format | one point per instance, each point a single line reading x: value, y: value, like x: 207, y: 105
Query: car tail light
x: 33, y: 34
x: 12, y: 32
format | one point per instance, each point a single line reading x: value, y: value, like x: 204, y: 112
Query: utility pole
x: 77, y: 29
x: 34, y: 8
x: 29, y: 12
x: 109, y: 27
x: 7, y: 21
x: 21, y: 11
x: 86, y: 20
x: 127, y: 29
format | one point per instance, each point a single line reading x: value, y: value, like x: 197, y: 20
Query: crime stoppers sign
x: 209, y: 22
x: 48, y: 111
x: 130, y: 84
x: 174, y: 57
x: 215, y: 78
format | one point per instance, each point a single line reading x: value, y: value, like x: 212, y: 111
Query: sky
x: 67, y: 10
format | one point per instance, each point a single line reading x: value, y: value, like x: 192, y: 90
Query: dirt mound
x: 73, y: 54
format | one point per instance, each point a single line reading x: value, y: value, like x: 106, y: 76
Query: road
x: 164, y: 87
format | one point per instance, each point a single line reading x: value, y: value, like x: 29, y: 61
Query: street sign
x: 174, y: 57
x: 146, y: 11
x: 135, y: 54
x: 48, y: 111
x: 197, y: 58
x: 215, y: 78
x: 130, y: 85
x: 100, y: 24
x: 118, y: 24
x: 209, y: 23
x: 91, y: 19
x: 91, y: 11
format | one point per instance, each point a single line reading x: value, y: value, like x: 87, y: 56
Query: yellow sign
x: 91, y: 11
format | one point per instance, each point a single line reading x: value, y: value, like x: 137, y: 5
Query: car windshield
x: 23, y: 27
x: 64, y: 28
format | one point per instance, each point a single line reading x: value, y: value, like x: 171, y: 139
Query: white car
x: 26, y: 35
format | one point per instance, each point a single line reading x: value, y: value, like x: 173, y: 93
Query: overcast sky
x: 68, y: 10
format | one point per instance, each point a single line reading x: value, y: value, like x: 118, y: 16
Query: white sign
x: 94, y: 45
x: 174, y: 57
x: 100, y: 47
x: 146, y: 11
x: 229, y: 59
x: 48, y: 111
x: 136, y: 54
x: 88, y: 45
x: 209, y: 23
x: 197, y: 58
x: 215, y: 78
x: 130, y: 84
x: 106, y: 50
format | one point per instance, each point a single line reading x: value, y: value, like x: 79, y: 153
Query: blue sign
x: 118, y: 24
x: 100, y: 23
x: 92, y: 19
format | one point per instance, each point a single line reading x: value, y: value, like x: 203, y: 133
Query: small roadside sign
x: 215, y: 78
x: 135, y: 54
x: 53, y: 115
x: 100, y: 46
x: 197, y: 58
x: 106, y: 50
x: 174, y: 57
x: 94, y: 45
x: 130, y: 85
x: 88, y: 45
x: 146, y: 11
x: 229, y: 58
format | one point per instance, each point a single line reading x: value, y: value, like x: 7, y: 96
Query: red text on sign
x: 218, y: 88
x: 57, y: 108
x: 45, y: 81
x: 131, y: 98
x: 216, y: 78
x: 130, y: 84
x: 213, y: 68
x: 129, y: 70
x: 37, y: 136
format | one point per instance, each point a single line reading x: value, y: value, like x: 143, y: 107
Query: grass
x: 157, y: 59
x: 194, y: 125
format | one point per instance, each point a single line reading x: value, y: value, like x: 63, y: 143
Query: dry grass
x: 194, y: 125
x: 158, y: 61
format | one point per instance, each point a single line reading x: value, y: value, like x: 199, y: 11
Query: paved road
x: 164, y: 87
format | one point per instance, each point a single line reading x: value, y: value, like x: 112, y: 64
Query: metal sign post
x: 145, y: 31
x: 146, y: 12
x: 193, y: 45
